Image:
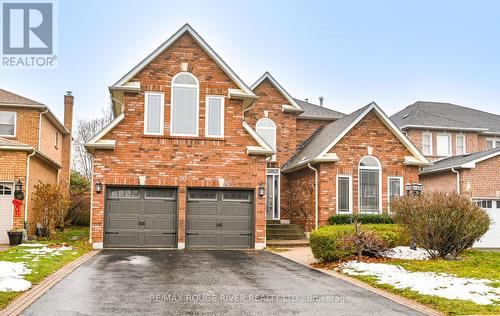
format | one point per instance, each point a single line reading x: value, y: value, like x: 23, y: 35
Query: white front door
x: 273, y: 193
x: 492, y: 237
x: 6, y: 196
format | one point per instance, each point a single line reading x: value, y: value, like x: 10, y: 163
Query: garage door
x: 141, y: 217
x: 219, y: 219
x: 5, y: 211
x: 492, y: 237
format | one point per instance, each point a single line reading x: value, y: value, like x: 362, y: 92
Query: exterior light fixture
x: 261, y: 190
x: 98, y: 187
x: 18, y: 190
x: 18, y: 186
x: 414, y: 187
x: 408, y: 188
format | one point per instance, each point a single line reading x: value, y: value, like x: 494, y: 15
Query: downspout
x: 28, y: 168
x: 316, y: 211
x: 458, y: 179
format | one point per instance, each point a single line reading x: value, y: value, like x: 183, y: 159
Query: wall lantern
x: 414, y: 189
x: 18, y: 191
x: 18, y: 186
x: 261, y: 190
x: 408, y: 188
x: 98, y: 187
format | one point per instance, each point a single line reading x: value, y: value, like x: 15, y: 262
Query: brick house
x: 34, y: 147
x: 195, y: 158
x: 464, y: 145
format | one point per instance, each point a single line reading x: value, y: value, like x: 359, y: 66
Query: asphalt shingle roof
x: 313, y: 111
x: 7, y: 97
x: 321, y: 139
x: 446, y: 115
x: 10, y: 142
x: 456, y: 161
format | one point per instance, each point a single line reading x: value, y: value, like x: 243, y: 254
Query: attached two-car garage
x: 138, y: 217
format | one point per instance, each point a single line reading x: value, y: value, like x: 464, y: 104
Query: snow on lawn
x: 427, y: 283
x: 11, y: 277
x: 47, y: 251
x: 32, y: 245
x: 404, y: 252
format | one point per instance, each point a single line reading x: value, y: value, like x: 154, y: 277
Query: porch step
x: 275, y: 231
x: 287, y: 243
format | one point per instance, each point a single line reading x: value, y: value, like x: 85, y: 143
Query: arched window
x: 370, y: 188
x: 266, y: 128
x: 184, y: 113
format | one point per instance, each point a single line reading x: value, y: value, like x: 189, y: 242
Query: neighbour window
x: 7, y: 123
x: 344, y: 194
x: 460, y: 145
x: 369, y: 185
x: 443, y: 145
x: 185, y: 105
x: 484, y: 203
x: 153, y: 113
x: 214, y: 117
x: 395, y: 188
x: 427, y: 144
x: 493, y: 143
x: 267, y: 130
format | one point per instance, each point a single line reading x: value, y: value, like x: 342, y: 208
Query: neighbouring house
x: 463, y: 144
x: 196, y: 158
x: 34, y: 147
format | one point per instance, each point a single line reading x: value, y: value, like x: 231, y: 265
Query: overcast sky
x: 350, y: 52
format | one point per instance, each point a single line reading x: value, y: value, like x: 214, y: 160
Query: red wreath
x: 17, y: 207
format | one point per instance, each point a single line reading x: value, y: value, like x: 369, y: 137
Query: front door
x: 273, y: 194
x: 5, y: 211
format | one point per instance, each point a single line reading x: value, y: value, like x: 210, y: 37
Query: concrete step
x: 285, y: 231
x: 285, y: 236
x: 273, y: 221
x: 287, y: 243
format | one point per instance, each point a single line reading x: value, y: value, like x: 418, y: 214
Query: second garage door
x: 219, y: 219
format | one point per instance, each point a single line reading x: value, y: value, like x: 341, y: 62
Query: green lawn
x: 43, y: 266
x: 475, y: 264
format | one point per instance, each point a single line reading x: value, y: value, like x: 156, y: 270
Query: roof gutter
x: 316, y: 209
x: 458, y: 179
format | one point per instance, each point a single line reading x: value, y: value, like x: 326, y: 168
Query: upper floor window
x: 267, y: 130
x: 184, y: 112
x: 427, y: 143
x: 8, y: 123
x: 153, y: 113
x: 493, y: 142
x: 443, y: 142
x: 370, y: 190
x: 460, y: 150
x: 214, y: 116
x: 56, y: 140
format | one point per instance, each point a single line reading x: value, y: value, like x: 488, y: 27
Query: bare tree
x: 85, y: 130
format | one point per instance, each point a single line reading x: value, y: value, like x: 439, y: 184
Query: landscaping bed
x: 23, y: 266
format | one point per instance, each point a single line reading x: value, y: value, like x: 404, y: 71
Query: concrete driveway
x: 205, y: 282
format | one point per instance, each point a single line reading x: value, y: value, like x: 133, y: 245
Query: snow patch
x: 406, y: 253
x: 427, y: 283
x: 48, y: 251
x: 11, y: 277
x: 32, y: 245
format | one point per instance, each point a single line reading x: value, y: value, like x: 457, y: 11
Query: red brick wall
x: 439, y: 182
x: 179, y: 161
x: 484, y: 179
x: 27, y: 125
x: 13, y: 168
x: 370, y: 131
x: 305, y: 128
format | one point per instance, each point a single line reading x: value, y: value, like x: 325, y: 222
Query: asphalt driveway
x: 116, y: 282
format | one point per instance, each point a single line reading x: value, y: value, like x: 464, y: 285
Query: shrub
x: 362, y: 218
x: 79, y: 194
x: 50, y: 206
x: 444, y: 224
x: 335, y: 242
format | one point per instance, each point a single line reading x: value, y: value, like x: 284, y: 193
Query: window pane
x: 497, y: 143
x: 202, y: 195
x: 7, y: 123
x: 236, y: 196
x: 185, y: 79
x: 123, y: 193
x: 184, y: 110
x: 369, y: 190
x: 343, y: 191
x: 460, y: 145
x: 489, y: 144
x: 443, y: 145
x: 160, y: 194
x: 214, y: 119
x: 394, y: 188
x: 369, y: 162
x: 154, y: 118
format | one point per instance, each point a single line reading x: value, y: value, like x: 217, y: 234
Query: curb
x: 26, y: 299
x: 393, y: 297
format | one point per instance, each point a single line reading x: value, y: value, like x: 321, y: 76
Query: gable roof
x: 185, y: 29
x: 461, y: 161
x: 293, y: 102
x: 316, y: 112
x: 13, y: 144
x: 437, y: 115
x: 319, y: 145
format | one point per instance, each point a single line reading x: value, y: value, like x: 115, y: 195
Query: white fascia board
x: 132, y: 86
x: 289, y: 108
x: 201, y: 42
x: 240, y: 94
x: 19, y: 148
x: 451, y: 128
x: 257, y: 137
x: 412, y: 161
x: 257, y: 150
x: 267, y: 75
x: 329, y: 157
x: 101, y: 144
x: 106, y: 129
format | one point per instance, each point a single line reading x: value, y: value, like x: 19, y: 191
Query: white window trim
x: 162, y: 112
x: 430, y: 146
x: 279, y: 189
x: 197, y: 104
x: 457, y: 136
x: 15, y: 124
x: 207, y: 105
x: 493, y: 140
x: 273, y: 146
x: 379, y: 184
x: 337, y: 192
x: 449, y: 144
x: 401, y: 189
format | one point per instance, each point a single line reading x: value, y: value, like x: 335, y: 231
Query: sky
x: 350, y: 52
